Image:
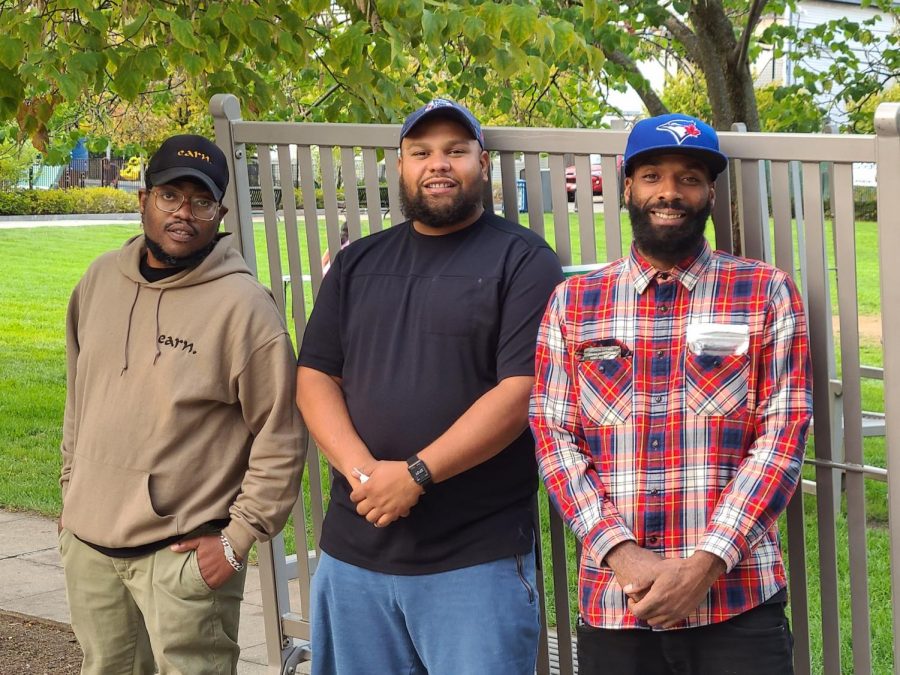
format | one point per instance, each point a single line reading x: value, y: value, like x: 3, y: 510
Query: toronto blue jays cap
x: 678, y: 134
x: 445, y: 108
x: 189, y: 156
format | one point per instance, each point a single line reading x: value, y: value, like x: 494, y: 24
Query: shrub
x: 71, y: 201
x: 865, y: 205
x: 864, y: 199
x: 14, y: 203
x: 15, y: 160
x: 320, y: 197
x: 107, y: 200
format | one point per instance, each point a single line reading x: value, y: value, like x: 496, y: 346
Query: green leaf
x: 70, y: 85
x: 473, y: 27
x: 588, y: 7
x: 97, y: 20
x: 12, y: 51
x: 481, y: 47
x: 43, y: 110
x: 149, y: 62
x: 260, y: 30
x: 381, y: 53
x: 504, y: 103
x: 183, y: 33
x: 564, y: 37
x: 192, y: 63
x: 246, y: 12
x: 32, y: 33
x: 86, y: 62
x: 493, y: 16
x: 128, y: 79
x: 388, y: 9
x: 520, y: 23
x: 539, y: 70
x: 506, y: 65
x: 411, y: 9
x: 432, y: 28
x: 140, y: 21
x: 164, y: 15
x: 233, y: 21
x: 215, y: 10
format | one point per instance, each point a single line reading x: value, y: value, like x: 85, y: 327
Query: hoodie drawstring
x: 137, y: 291
x: 156, y: 340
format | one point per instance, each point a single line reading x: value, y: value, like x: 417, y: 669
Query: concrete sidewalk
x: 13, y: 222
x: 33, y: 584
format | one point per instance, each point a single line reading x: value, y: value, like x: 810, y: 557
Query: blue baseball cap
x: 677, y: 134
x: 445, y: 108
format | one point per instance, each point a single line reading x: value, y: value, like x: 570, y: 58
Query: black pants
x: 757, y: 641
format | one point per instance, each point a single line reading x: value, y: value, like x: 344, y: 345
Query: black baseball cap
x: 189, y: 156
x: 446, y: 108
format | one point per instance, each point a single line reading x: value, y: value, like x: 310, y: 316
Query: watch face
x: 420, y: 472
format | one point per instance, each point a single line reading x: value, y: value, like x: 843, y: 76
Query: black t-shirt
x: 419, y: 327
x: 152, y: 274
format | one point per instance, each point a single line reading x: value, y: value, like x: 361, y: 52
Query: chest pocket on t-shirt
x: 716, y: 385
x: 458, y: 306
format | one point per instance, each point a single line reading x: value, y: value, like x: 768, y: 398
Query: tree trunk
x: 719, y: 55
x: 719, y: 48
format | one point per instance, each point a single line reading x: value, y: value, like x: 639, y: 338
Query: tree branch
x: 568, y: 104
x: 683, y: 34
x: 753, y: 17
x: 654, y: 104
x: 324, y: 97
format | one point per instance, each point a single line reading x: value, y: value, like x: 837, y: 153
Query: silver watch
x: 229, y: 553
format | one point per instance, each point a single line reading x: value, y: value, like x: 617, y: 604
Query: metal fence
x: 93, y: 172
x: 782, y: 205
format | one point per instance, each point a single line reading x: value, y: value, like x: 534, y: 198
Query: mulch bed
x: 31, y: 645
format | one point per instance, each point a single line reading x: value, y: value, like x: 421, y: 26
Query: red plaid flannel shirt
x: 639, y: 438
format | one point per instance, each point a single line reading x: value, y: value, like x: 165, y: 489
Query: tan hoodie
x: 180, y: 404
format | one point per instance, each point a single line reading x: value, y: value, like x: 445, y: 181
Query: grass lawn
x: 41, y: 266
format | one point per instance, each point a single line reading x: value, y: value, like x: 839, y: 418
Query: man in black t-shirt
x: 414, y: 377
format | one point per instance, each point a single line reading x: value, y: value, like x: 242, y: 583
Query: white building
x: 811, y: 13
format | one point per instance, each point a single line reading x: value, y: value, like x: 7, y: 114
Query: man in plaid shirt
x: 670, y: 409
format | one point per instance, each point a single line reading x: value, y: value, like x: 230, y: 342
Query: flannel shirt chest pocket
x: 606, y: 383
x: 716, y: 385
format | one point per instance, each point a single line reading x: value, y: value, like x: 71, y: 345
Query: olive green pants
x: 134, y: 616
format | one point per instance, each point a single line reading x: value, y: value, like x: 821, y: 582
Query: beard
x: 169, y: 260
x: 415, y: 206
x: 668, y: 243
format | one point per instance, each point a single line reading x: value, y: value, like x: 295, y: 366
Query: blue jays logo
x: 438, y: 103
x: 681, y: 130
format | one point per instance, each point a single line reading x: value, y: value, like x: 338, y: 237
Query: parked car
x: 596, y: 177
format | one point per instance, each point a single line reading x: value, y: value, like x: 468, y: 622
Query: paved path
x: 33, y: 583
x: 11, y: 222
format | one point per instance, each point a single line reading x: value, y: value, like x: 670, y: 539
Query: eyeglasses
x: 170, y: 201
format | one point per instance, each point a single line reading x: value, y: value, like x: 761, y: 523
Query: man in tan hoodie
x: 181, y: 441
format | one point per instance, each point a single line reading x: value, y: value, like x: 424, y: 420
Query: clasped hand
x: 664, y: 591
x: 388, y: 494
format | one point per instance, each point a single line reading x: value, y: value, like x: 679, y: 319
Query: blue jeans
x: 476, y: 620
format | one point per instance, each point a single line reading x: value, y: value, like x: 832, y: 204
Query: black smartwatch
x: 418, y: 471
